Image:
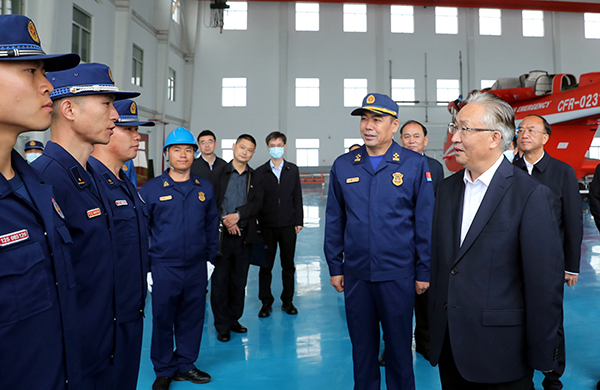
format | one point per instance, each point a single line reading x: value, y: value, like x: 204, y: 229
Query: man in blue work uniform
x: 184, y: 229
x: 129, y: 226
x: 37, y: 289
x: 83, y: 116
x: 377, y: 243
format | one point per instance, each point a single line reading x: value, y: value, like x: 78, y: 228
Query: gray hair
x: 499, y: 115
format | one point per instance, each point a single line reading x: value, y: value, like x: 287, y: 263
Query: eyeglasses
x: 453, y: 129
x: 523, y: 131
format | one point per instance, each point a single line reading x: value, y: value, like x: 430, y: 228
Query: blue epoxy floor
x: 312, y: 351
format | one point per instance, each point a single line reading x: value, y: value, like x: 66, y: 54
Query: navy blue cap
x: 379, y: 104
x: 86, y: 79
x: 34, y: 145
x: 128, y: 115
x: 19, y: 41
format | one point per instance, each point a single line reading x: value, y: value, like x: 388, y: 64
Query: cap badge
x: 370, y: 99
x: 397, y: 179
x: 133, y: 108
x: 124, y: 168
x: 201, y: 196
x: 110, y: 75
x: 32, y: 143
x: 33, y: 32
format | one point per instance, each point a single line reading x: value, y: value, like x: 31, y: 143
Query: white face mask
x: 510, y: 155
x: 276, y: 152
x: 31, y: 157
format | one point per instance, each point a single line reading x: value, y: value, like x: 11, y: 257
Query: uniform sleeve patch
x: 428, y: 176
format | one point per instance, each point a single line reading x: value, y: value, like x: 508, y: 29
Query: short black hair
x: 275, y: 135
x: 204, y: 133
x: 247, y: 137
x: 353, y: 145
x: 546, y: 124
x: 415, y: 122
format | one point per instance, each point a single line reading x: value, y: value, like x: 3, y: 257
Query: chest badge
x: 201, y: 196
x: 94, y: 213
x: 57, y: 209
x: 397, y: 179
x: 163, y: 198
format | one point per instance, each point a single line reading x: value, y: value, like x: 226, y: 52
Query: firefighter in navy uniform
x: 83, y: 116
x: 128, y: 222
x: 37, y: 289
x: 184, y: 230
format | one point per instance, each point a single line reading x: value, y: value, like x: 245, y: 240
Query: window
x: 82, y: 33
x: 307, y: 17
x: 307, y: 152
x: 137, y: 65
x: 447, y: 91
x: 487, y: 83
x: 594, y: 151
x: 403, y: 19
x: 533, y: 23
x: 351, y: 141
x: 307, y: 92
x: 403, y: 91
x: 226, y: 151
x: 355, y: 18
x: 11, y: 7
x: 171, y: 85
x: 490, y: 21
x: 354, y: 92
x: 236, y: 17
x: 591, y: 25
x: 234, y: 92
x: 446, y: 20
x: 175, y: 10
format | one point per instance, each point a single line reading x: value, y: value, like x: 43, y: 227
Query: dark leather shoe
x: 423, y: 350
x: 239, y: 328
x: 194, y: 375
x: 162, y: 383
x: 598, y: 385
x: 382, y: 359
x: 224, y: 337
x: 265, y: 311
x: 289, y: 308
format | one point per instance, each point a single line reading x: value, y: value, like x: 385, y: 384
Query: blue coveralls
x: 37, y: 288
x: 128, y: 221
x: 92, y: 257
x: 184, y: 234
x: 377, y: 234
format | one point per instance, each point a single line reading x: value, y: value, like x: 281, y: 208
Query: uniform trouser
x: 127, y: 355
x: 178, y: 300
x: 98, y: 381
x: 228, y: 286
x: 367, y: 305
x: 422, y: 322
x: 286, y: 238
x: 552, y: 378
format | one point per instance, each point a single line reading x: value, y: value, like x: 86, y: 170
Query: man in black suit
x: 207, y: 161
x: 239, y: 194
x: 281, y: 219
x: 497, y: 265
x: 534, y: 131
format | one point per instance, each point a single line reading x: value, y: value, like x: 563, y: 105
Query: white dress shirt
x: 530, y: 166
x: 276, y: 171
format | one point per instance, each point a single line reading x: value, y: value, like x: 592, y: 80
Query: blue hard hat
x: 180, y: 136
x: 128, y: 115
x: 19, y: 41
x: 86, y: 79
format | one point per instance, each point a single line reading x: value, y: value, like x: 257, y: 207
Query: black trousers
x: 286, y: 238
x: 422, y: 322
x: 552, y: 378
x: 452, y: 380
x: 228, y: 286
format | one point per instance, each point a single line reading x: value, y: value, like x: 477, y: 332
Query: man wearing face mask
x: 33, y: 150
x: 281, y: 219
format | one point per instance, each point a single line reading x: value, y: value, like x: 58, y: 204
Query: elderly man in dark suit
x: 497, y: 265
x: 534, y: 131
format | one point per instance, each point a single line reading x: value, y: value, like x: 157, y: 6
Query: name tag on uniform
x: 121, y: 202
x: 163, y: 198
x: 352, y: 180
x: 14, y: 237
x: 94, y: 213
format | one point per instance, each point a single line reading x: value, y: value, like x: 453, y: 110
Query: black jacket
x: 437, y: 172
x: 282, y: 205
x: 200, y: 166
x: 219, y: 177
